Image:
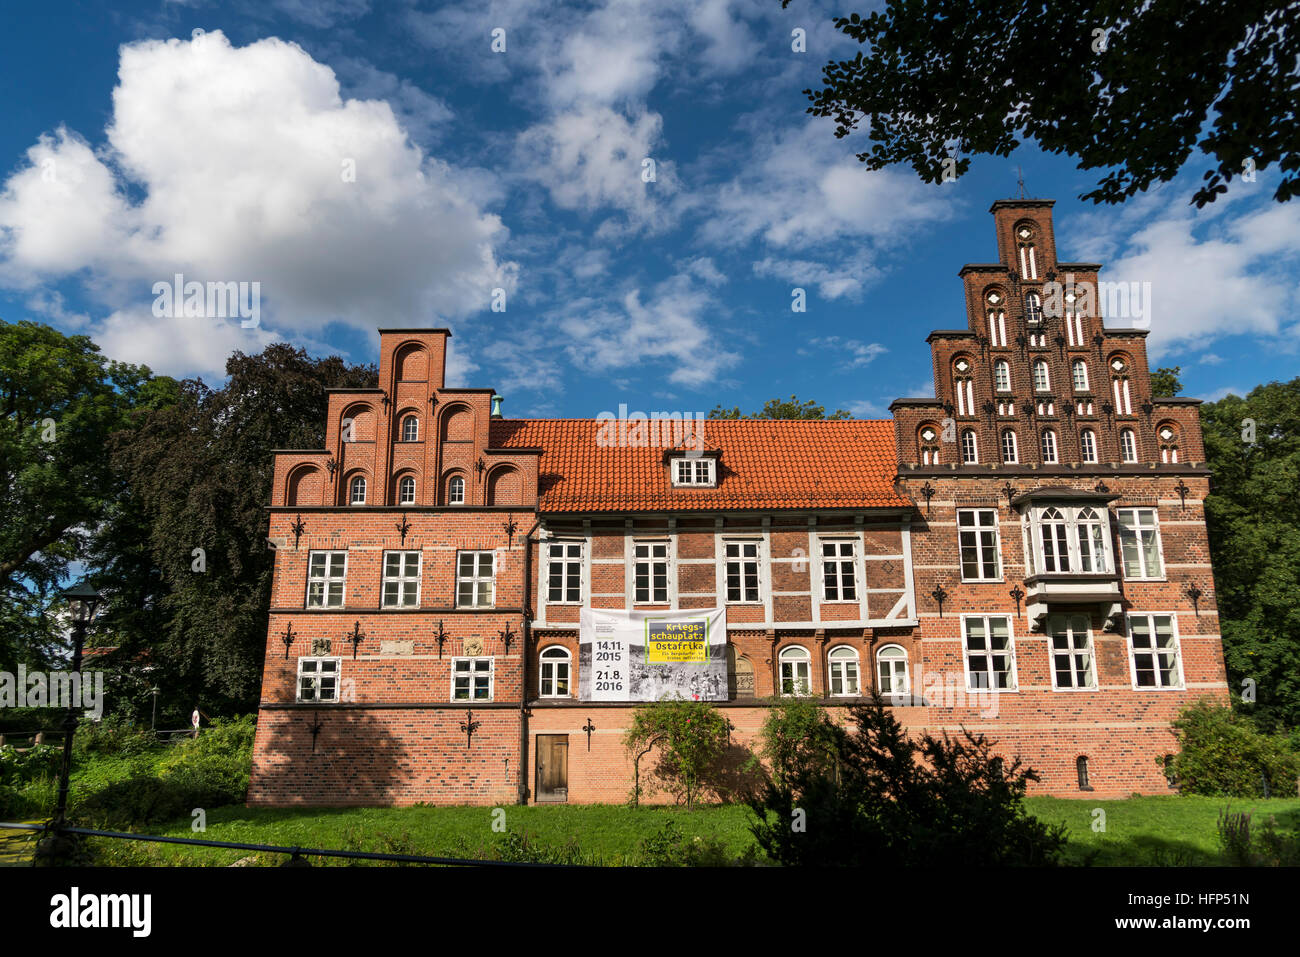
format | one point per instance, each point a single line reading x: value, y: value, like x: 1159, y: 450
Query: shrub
x: 890, y: 801
x: 1248, y: 846
x: 115, y: 735
x: 22, y: 767
x: 797, y: 733
x: 691, y: 736
x: 669, y: 847
x: 1221, y: 752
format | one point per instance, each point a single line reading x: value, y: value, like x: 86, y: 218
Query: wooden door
x: 552, y: 767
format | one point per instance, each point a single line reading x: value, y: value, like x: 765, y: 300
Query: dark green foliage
x: 688, y: 738
x: 114, y: 735
x: 197, y: 475
x: 30, y: 764
x: 1253, y: 518
x: 797, y: 737
x: 790, y: 408
x: 1246, y: 845
x: 669, y: 847
x: 895, y: 802
x: 1128, y: 87
x: 1165, y: 382
x: 1221, y: 752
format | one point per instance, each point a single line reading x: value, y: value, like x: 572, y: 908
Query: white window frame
x: 1070, y: 519
x: 401, y: 490
x: 455, y: 482
x: 352, y: 490
x: 1042, y: 376
x: 839, y: 560
x: 474, y: 674
x: 988, y: 653
x: 1150, y: 616
x: 1002, y: 375
x: 794, y: 655
x: 404, y: 577
x: 477, y: 578
x: 1077, y: 366
x: 318, y: 661
x: 979, y: 530
x: 1072, y: 651
x: 651, y: 560
x: 1128, y: 446
x: 969, y: 450
x: 1121, y: 527
x: 328, y: 578
x: 552, y: 659
x: 688, y: 472
x: 742, y: 561
x: 837, y: 670
x: 1014, y: 457
x: 893, y: 661
x: 412, y: 417
x: 1049, y: 447
x: 1088, y: 446
x: 569, y: 565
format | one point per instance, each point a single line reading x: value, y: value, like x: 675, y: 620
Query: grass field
x: 1160, y: 831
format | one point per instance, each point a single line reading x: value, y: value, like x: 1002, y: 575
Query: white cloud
x: 196, y: 346
x: 668, y: 327
x: 239, y: 157
x: 848, y: 278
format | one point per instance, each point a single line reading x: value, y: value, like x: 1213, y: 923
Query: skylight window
x: 698, y: 473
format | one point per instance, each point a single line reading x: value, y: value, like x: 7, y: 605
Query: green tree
x: 197, y: 475
x: 790, y: 408
x: 1125, y: 86
x: 895, y: 802
x: 690, y: 737
x: 1165, y: 382
x: 1221, y: 752
x: 1252, y: 514
x: 797, y: 735
x: 62, y: 404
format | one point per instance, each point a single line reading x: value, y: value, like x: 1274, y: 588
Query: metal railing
x: 297, y: 855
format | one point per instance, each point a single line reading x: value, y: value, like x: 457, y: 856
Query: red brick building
x: 1024, y: 554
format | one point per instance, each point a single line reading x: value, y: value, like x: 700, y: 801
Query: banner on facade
x: 652, y: 655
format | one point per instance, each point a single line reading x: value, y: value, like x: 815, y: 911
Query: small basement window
x: 699, y: 472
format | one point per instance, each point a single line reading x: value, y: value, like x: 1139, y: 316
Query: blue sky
x: 378, y: 164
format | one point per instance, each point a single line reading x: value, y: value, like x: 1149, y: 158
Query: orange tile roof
x: 765, y: 464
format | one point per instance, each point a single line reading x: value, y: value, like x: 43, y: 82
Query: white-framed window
x: 406, y: 490
x: 1168, y: 440
x: 839, y: 571
x: 977, y: 539
x: 892, y: 676
x: 1049, y: 446
x: 1139, y: 543
x: 1028, y: 260
x: 1033, y: 310
x: 844, y: 672
x: 688, y: 471
x: 965, y: 395
x: 564, y: 573
x: 1073, y: 666
x: 969, y: 450
x: 556, y: 664
x: 475, y: 579
x: 1088, y: 446
x: 650, y: 573
x: 1042, y: 380
x: 456, y: 490
x: 326, y: 574
x: 1010, y: 452
x: 1002, y: 375
x: 742, y: 571
x: 411, y: 429
x: 1069, y: 540
x: 1153, y: 651
x: 401, y: 579
x: 1128, y: 445
x: 357, y: 490
x: 796, y: 670
x: 998, y: 327
x: 471, y: 679
x: 990, y: 653
x: 318, y: 679
x: 1080, y: 372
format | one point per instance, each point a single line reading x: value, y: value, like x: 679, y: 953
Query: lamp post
x: 83, y: 602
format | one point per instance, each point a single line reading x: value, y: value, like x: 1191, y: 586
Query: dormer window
x: 699, y: 473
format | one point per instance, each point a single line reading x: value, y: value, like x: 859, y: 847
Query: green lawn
x: 1164, y: 830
